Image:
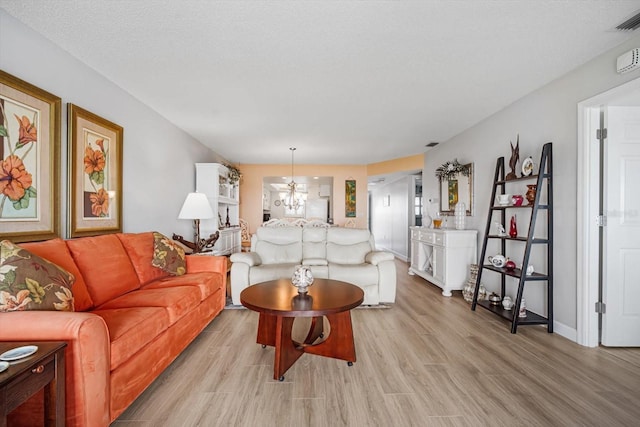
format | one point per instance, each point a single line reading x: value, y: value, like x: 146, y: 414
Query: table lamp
x: 197, y: 207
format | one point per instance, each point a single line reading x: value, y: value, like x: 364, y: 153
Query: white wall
x: 548, y: 114
x: 390, y: 224
x: 158, y: 169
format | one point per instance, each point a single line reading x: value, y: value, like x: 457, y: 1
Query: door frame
x: 588, y: 248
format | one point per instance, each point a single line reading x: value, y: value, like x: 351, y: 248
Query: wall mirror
x: 458, y: 188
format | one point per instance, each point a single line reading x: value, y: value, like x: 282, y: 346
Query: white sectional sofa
x: 345, y: 254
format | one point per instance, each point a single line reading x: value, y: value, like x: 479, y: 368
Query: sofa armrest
x: 376, y: 257
x: 249, y: 258
x: 87, y: 357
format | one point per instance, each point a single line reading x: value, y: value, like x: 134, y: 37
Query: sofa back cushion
x: 314, y: 243
x: 276, y: 245
x: 56, y: 251
x: 105, y: 266
x: 139, y: 247
x: 348, y: 245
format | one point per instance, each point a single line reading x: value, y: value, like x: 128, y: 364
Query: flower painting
x: 95, y: 193
x: 29, y: 142
x: 17, y: 188
x: 95, y: 146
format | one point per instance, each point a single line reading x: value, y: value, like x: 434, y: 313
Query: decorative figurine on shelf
x: 500, y: 229
x: 227, y: 223
x: 531, y: 193
x: 513, y: 230
x: 513, y: 161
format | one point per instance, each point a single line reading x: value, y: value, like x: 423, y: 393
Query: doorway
x: 599, y: 254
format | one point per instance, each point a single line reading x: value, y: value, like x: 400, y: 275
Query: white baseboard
x: 401, y: 257
x: 565, y: 331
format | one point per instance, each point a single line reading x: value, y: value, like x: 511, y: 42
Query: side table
x: 24, y: 377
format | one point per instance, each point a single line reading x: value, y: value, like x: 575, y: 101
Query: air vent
x: 630, y: 24
x: 432, y: 144
x: 628, y: 61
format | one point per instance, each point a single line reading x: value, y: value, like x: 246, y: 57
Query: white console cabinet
x: 443, y: 256
x: 224, y: 197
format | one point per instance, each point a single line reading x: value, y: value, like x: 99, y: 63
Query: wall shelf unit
x: 541, y: 211
x: 212, y: 179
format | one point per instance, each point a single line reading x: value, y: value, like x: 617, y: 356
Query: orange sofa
x: 131, y: 320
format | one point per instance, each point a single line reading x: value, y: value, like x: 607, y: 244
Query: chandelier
x: 292, y: 200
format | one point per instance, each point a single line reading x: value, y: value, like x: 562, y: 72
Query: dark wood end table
x: 279, y: 303
x: 24, y: 377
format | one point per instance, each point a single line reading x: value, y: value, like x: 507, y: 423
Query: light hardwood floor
x: 427, y: 361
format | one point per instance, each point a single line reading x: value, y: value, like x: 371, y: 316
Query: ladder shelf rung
x: 531, y: 319
x: 516, y: 272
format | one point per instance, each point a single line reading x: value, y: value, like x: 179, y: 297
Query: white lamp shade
x: 196, y: 206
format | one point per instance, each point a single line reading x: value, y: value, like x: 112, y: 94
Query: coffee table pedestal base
x: 276, y: 331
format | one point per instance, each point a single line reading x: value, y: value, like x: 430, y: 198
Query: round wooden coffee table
x: 279, y: 303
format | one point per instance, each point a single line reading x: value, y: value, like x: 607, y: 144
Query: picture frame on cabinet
x: 30, y: 156
x: 95, y: 173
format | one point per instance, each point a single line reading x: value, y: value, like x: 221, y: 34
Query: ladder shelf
x: 540, y: 211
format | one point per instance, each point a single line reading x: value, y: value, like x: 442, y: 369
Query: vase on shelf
x: 513, y: 229
x: 531, y: 193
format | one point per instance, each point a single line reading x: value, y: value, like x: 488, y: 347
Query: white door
x: 621, y: 245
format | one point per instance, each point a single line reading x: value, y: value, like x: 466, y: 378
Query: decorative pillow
x: 29, y: 282
x: 168, y: 256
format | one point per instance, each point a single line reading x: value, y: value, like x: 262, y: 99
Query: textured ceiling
x: 346, y: 82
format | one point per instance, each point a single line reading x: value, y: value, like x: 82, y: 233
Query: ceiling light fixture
x: 292, y: 201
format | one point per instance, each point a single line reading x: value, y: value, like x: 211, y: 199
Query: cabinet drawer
x: 427, y: 236
x: 415, y: 234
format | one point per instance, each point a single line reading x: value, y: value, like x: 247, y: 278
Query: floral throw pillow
x: 29, y: 282
x: 168, y: 256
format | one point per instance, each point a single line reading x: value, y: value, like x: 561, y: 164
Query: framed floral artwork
x: 95, y: 174
x: 29, y: 161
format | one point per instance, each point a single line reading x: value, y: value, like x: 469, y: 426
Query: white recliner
x: 338, y: 253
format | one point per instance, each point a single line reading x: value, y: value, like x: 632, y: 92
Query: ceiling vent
x: 630, y: 24
x: 432, y: 144
x: 628, y: 61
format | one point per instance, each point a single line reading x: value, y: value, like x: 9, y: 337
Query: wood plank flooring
x: 426, y: 361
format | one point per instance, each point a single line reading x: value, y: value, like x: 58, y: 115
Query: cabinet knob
x: 38, y: 370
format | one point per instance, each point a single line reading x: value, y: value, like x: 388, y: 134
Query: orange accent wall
x: 401, y: 164
x: 251, y: 189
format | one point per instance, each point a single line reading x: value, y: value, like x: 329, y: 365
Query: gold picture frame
x: 29, y: 161
x: 95, y: 174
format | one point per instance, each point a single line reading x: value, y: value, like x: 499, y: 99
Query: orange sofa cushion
x: 177, y: 300
x: 139, y: 246
x: 105, y: 266
x: 207, y: 283
x: 56, y: 251
x: 131, y: 329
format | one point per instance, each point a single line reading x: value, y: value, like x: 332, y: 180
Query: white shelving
x: 212, y: 179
